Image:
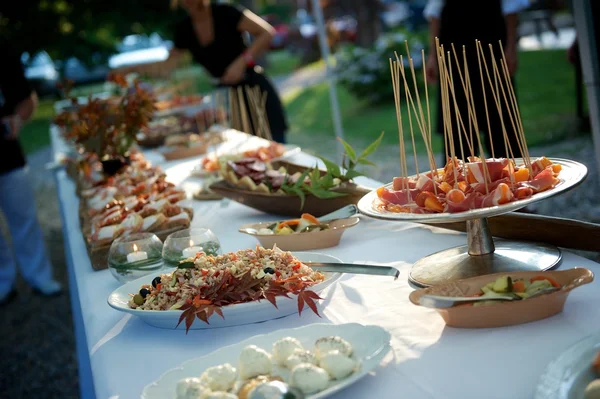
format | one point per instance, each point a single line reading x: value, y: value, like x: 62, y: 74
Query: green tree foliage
x: 81, y: 28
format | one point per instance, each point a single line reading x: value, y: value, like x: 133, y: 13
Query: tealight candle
x: 136, y: 255
x: 191, y: 251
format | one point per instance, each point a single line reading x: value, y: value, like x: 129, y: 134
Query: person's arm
x: 510, y: 47
x: 511, y: 9
x: 262, y: 32
x: 432, y: 68
x: 433, y: 12
x: 23, y: 112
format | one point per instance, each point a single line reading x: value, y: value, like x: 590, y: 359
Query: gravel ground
x: 37, y: 344
x: 37, y: 348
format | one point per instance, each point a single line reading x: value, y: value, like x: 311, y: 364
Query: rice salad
x: 173, y: 290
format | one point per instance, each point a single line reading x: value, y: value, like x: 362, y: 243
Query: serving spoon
x: 275, y: 390
x: 441, y: 302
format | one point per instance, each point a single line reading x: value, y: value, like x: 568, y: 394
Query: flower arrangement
x: 107, y: 127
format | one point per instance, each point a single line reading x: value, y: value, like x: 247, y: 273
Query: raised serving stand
x: 482, y: 255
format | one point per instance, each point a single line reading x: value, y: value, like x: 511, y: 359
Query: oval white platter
x: 370, y: 343
x: 571, y: 175
x: 234, y: 315
x: 567, y: 376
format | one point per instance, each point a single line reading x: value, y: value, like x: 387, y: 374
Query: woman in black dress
x: 213, y: 34
x: 461, y: 22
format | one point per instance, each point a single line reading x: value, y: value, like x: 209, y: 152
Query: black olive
x: 144, y: 292
x: 156, y: 281
x: 269, y: 270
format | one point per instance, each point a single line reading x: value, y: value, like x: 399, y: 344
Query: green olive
x: 138, y: 299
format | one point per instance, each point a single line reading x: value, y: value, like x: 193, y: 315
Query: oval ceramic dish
x: 233, y: 315
x: 370, y: 345
x: 302, y: 241
x: 504, y: 313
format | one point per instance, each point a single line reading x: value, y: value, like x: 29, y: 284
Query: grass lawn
x: 35, y: 135
x: 545, y: 85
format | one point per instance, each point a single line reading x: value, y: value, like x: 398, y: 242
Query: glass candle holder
x: 187, y: 243
x: 136, y: 255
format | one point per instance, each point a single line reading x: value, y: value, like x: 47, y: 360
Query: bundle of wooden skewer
x: 503, y: 101
x: 248, y: 111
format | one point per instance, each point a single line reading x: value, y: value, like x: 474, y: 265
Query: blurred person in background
x: 462, y: 22
x: 17, y: 201
x: 214, y: 35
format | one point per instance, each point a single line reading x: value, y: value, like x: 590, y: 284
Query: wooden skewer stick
x: 486, y: 172
x: 253, y: 111
x: 412, y: 134
x: 481, y: 56
x: 471, y: 110
x: 395, y: 85
x: 456, y: 111
x: 526, y: 156
x: 266, y: 124
x: 508, y: 108
x: 243, y: 111
x: 427, y: 139
x: 448, y: 116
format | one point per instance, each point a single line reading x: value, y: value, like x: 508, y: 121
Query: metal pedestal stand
x: 482, y: 256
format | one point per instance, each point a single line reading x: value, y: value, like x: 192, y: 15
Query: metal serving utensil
x: 342, y: 213
x: 441, y: 302
x: 275, y: 390
x: 351, y: 268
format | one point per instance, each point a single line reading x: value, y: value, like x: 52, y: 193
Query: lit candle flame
x: 191, y: 243
x: 135, y: 248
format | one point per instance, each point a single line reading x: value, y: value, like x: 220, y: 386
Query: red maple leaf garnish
x: 230, y: 290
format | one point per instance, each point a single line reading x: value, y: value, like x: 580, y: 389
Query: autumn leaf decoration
x: 231, y: 290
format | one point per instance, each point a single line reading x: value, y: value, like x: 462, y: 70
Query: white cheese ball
x: 327, y: 344
x: 284, y: 348
x: 219, y: 378
x: 300, y: 356
x: 337, y: 364
x: 220, y: 395
x: 309, y: 378
x: 191, y: 388
x: 254, y: 361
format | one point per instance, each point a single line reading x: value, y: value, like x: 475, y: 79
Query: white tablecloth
x: 121, y: 354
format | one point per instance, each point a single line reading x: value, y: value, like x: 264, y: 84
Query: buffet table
x: 119, y: 354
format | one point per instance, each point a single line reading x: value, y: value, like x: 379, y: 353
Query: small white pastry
x: 327, y: 344
x: 191, y: 388
x: 337, y: 364
x: 300, y: 356
x: 254, y: 361
x: 284, y: 348
x: 309, y: 378
x: 219, y: 378
x: 220, y: 395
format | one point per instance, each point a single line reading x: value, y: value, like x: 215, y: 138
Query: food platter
x: 481, y: 256
x: 572, y: 174
x: 234, y: 315
x: 371, y: 344
x: 567, y: 376
x: 301, y: 241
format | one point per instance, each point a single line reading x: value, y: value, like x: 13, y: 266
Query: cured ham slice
x: 501, y: 195
x: 495, y: 168
x: 542, y: 181
x: 523, y: 193
x: 481, y: 187
x: 400, y: 183
x: 401, y: 197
